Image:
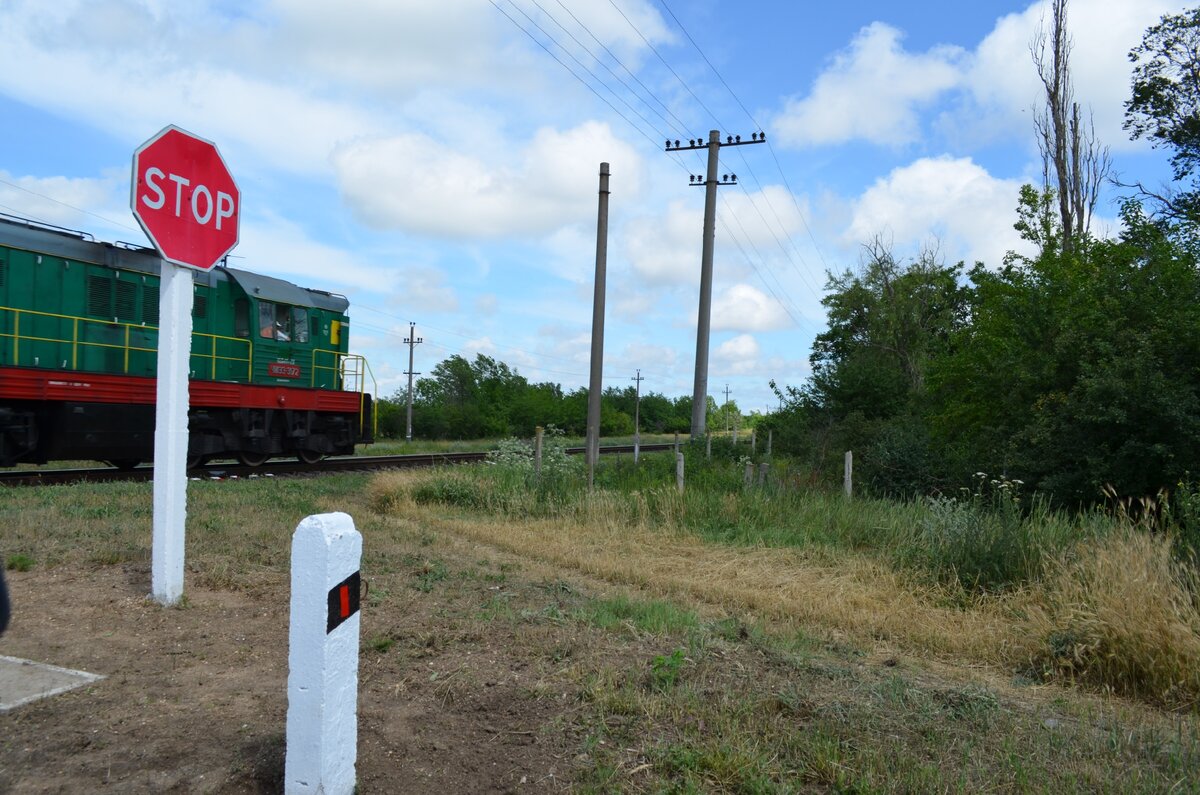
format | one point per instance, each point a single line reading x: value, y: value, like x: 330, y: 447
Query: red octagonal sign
x: 185, y: 198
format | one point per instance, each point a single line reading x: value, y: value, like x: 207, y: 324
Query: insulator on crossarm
x: 729, y: 139
x: 733, y: 177
x: 668, y: 143
x: 739, y: 138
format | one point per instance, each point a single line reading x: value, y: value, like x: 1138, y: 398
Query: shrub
x: 1182, y: 517
x: 979, y: 539
x: 448, y: 490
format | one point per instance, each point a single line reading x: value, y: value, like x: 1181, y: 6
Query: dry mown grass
x: 1118, y: 613
x: 846, y: 594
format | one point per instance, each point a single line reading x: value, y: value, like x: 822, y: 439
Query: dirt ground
x: 195, y: 699
x: 471, y: 679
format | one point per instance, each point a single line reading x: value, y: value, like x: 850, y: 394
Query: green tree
x: 1077, y: 369
x: 868, y: 392
x: 1164, y: 106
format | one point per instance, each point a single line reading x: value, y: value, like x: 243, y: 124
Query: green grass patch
x: 653, y: 616
x: 18, y: 562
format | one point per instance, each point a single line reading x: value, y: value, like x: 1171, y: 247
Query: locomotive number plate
x: 283, y: 370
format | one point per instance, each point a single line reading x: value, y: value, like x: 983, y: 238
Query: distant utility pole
x: 703, y: 322
x: 637, y: 406
x: 411, y: 340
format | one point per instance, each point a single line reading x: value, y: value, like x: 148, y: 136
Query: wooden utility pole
x: 703, y: 321
x: 637, y: 424
x: 411, y: 340
x: 594, y: 383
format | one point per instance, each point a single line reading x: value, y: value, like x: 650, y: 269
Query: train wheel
x: 249, y: 459
x: 124, y: 464
x: 309, y: 456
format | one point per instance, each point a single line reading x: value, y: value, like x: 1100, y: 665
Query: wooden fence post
x: 848, y: 477
x: 537, y: 451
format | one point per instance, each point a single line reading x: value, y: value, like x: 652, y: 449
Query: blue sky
x: 437, y: 162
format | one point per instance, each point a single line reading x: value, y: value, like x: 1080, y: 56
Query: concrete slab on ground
x: 23, y: 681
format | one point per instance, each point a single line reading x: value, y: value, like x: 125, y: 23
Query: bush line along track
x: 46, y: 477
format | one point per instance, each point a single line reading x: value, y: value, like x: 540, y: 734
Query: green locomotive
x: 270, y: 370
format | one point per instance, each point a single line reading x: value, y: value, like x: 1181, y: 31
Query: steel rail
x: 220, y: 471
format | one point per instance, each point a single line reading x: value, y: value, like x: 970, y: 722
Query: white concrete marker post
x: 171, y: 434
x: 322, y: 717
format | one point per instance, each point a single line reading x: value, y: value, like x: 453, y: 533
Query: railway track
x: 280, y: 468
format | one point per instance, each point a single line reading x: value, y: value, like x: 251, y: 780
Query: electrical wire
x: 570, y: 70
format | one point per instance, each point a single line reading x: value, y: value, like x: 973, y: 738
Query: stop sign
x: 185, y: 198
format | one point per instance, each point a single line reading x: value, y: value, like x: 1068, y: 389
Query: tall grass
x: 977, y: 542
x: 1123, y: 613
x: 1098, y: 601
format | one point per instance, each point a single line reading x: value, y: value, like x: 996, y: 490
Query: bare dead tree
x: 1072, y: 156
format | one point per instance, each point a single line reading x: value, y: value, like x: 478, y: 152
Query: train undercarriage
x: 123, y: 434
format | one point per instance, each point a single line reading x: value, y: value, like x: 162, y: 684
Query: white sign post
x: 171, y: 435
x: 322, y: 718
x: 187, y: 202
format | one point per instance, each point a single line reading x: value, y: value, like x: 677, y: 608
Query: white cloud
x: 170, y: 62
x: 73, y: 202
x: 424, y: 289
x: 282, y: 248
x: 486, y: 304
x: 765, y: 217
x: 873, y: 91
x: 737, y: 355
x: 665, y: 249
x: 1004, y: 86
x: 953, y: 200
x: 746, y: 308
x: 418, y: 184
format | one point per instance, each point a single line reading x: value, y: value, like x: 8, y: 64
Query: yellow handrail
x: 334, y: 369
x: 127, y: 347
x: 355, y: 371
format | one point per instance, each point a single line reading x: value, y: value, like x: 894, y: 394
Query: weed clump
x: 1122, y: 614
x: 18, y: 562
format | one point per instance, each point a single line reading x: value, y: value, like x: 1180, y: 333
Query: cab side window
x: 275, y: 321
x: 299, y: 324
x: 241, y: 317
x: 266, y: 320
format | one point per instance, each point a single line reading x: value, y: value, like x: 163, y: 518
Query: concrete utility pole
x: 637, y: 408
x: 703, y: 321
x: 411, y: 340
x: 725, y: 408
x: 594, y: 383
